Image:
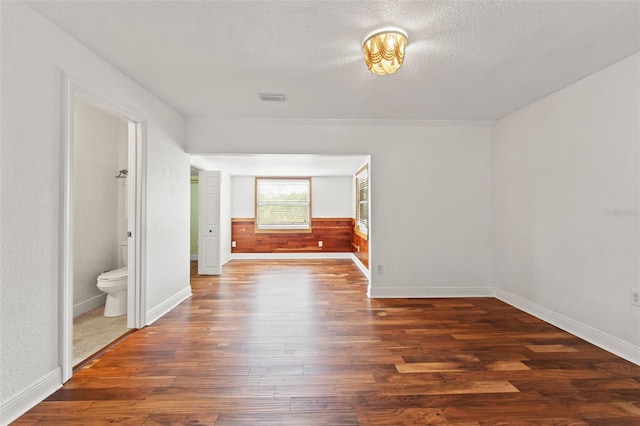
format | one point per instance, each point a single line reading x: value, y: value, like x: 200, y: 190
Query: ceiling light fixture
x: 384, y: 50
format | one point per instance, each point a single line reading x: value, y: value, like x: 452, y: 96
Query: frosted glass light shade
x: 384, y: 50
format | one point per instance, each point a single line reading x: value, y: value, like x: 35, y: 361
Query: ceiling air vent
x: 273, y: 97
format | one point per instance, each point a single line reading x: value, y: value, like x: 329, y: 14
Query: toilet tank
x: 124, y: 253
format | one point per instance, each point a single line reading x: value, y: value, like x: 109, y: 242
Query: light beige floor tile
x: 92, y: 331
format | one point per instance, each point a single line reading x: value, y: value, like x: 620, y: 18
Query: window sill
x: 361, y: 234
x: 282, y: 231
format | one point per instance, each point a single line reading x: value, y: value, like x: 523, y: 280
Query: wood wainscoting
x: 361, y: 248
x: 336, y: 235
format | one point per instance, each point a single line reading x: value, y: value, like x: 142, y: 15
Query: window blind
x: 362, y: 200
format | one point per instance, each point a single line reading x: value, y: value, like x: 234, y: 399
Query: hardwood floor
x: 299, y: 343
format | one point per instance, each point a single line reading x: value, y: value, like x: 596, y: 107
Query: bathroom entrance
x: 101, y: 284
x: 100, y: 238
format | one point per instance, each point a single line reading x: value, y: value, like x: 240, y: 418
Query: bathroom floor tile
x: 92, y: 331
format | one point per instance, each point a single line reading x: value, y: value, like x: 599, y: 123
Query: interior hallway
x: 299, y: 343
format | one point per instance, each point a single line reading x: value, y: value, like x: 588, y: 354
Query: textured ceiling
x: 471, y: 60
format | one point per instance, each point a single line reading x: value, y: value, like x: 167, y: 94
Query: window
x: 283, y: 203
x: 362, y: 201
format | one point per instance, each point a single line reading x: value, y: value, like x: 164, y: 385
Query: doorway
x: 102, y: 215
x: 335, y: 188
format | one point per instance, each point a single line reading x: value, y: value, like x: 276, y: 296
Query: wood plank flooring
x: 299, y: 343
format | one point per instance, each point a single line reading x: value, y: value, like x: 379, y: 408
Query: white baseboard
x: 361, y: 266
x: 89, y: 304
x: 31, y: 396
x: 599, y: 338
x: 319, y: 255
x: 166, y: 306
x: 194, y: 257
x: 428, y: 292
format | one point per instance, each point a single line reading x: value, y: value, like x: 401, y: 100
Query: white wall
x: 35, y: 55
x: 331, y: 196
x: 430, y: 192
x: 243, y: 196
x: 96, y: 161
x: 566, y: 206
x: 123, y: 163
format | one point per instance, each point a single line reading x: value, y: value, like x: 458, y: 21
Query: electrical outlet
x: 233, y: 243
x: 319, y: 243
x: 635, y: 297
x: 380, y: 269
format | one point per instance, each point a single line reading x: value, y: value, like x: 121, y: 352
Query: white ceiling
x: 281, y: 165
x: 466, y: 60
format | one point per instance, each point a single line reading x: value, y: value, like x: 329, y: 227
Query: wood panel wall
x: 361, y: 248
x: 336, y: 235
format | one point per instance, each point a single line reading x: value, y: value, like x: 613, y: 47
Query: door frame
x: 136, y: 308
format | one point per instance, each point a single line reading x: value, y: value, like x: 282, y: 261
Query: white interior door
x: 209, y: 223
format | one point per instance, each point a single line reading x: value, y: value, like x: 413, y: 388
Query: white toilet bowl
x: 114, y: 283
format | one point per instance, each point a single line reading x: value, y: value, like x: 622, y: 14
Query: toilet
x: 114, y: 283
